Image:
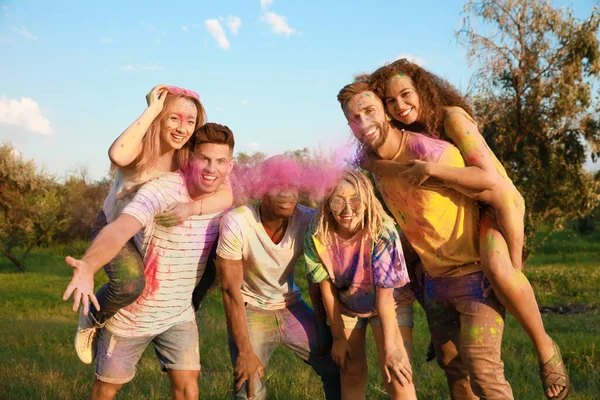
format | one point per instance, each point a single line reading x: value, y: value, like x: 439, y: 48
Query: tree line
x: 535, y: 94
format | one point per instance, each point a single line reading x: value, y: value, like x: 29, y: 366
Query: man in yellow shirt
x: 441, y: 224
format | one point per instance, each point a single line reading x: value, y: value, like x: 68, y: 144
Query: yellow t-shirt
x: 440, y: 223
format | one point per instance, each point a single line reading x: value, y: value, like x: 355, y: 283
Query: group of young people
x: 453, y: 242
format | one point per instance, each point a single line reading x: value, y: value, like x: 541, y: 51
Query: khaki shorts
x: 404, y: 317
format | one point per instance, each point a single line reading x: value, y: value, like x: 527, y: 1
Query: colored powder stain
x: 401, y: 74
x: 493, y: 331
x: 489, y: 238
x: 499, y: 321
x: 151, y: 269
x: 476, y: 334
x: 367, y: 94
x: 468, y: 133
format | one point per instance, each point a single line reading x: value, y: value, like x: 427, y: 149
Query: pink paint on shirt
x: 151, y: 269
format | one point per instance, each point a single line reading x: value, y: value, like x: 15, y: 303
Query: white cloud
x: 107, y: 40
x: 16, y: 153
x: 184, y: 28
x: 265, y: 4
x: 219, y: 109
x: 215, y: 29
x: 157, y: 41
x: 244, y: 102
x: 4, y: 39
x: 25, y: 33
x: 6, y: 8
x: 154, y: 67
x: 24, y: 113
x: 234, y: 24
x: 253, y: 146
x: 278, y: 24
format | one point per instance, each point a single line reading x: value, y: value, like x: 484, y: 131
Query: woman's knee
x: 355, y: 372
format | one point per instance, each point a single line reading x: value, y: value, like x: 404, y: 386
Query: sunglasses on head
x: 174, y: 90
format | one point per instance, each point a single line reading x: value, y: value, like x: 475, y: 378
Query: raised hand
x: 81, y: 286
x: 156, y: 97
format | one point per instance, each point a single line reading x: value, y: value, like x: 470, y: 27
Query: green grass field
x: 38, y: 361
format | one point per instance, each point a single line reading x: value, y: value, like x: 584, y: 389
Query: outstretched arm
x: 129, y: 144
x: 103, y: 249
x: 231, y: 275
x: 397, y: 362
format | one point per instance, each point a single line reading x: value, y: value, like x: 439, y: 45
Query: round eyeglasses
x: 337, y: 204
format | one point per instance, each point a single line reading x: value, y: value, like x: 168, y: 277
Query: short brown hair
x: 214, y: 133
x: 362, y: 83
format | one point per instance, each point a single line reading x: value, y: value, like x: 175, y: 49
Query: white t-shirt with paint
x: 268, y: 267
x: 174, y: 260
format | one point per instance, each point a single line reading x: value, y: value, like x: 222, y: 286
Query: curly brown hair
x: 434, y: 93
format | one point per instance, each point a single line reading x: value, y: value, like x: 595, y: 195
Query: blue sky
x: 74, y: 74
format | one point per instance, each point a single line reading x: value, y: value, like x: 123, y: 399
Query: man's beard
x: 384, y: 130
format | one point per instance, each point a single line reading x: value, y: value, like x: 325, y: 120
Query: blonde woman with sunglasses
x: 154, y: 144
x: 353, y: 253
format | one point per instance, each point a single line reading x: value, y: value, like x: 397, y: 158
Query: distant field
x: 38, y: 361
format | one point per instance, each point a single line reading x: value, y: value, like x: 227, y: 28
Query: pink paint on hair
x: 314, y: 176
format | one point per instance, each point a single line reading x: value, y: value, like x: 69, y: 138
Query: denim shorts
x: 404, y: 317
x: 177, y: 348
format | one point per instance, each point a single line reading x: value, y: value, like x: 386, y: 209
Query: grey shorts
x: 404, y: 317
x: 177, y: 348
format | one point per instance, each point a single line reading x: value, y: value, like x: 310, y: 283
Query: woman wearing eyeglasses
x: 156, y: 143
x: 353, y: 252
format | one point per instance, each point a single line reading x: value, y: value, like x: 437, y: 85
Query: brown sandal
x: 554, y: 372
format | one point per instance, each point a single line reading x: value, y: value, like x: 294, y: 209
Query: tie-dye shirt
x: 441, y: 224
x: 357, y: 267
x: 268, y: 267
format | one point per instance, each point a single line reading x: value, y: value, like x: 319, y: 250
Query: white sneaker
x: 85, y: 338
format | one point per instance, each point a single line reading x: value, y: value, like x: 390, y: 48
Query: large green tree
x: 533, y: 92
x: 31, y: 210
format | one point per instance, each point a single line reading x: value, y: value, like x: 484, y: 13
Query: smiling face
x: 347, y: 209
x: 281, y: 199
x: 366, y: 117
x: 178, y: 124
x: 210, y: 165
x: 402, y: 100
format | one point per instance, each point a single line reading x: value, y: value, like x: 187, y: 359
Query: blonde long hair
x: 150, y: 153
x: 375, y: 216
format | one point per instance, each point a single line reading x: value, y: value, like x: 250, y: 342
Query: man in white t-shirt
x: 174, y: 261
x: 256, y: 257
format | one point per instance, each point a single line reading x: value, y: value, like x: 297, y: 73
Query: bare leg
x: 184, y: 384
x: 104, y: 391
x: 354, y: 376
x: 395, y: 389
x: 512, y: 288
